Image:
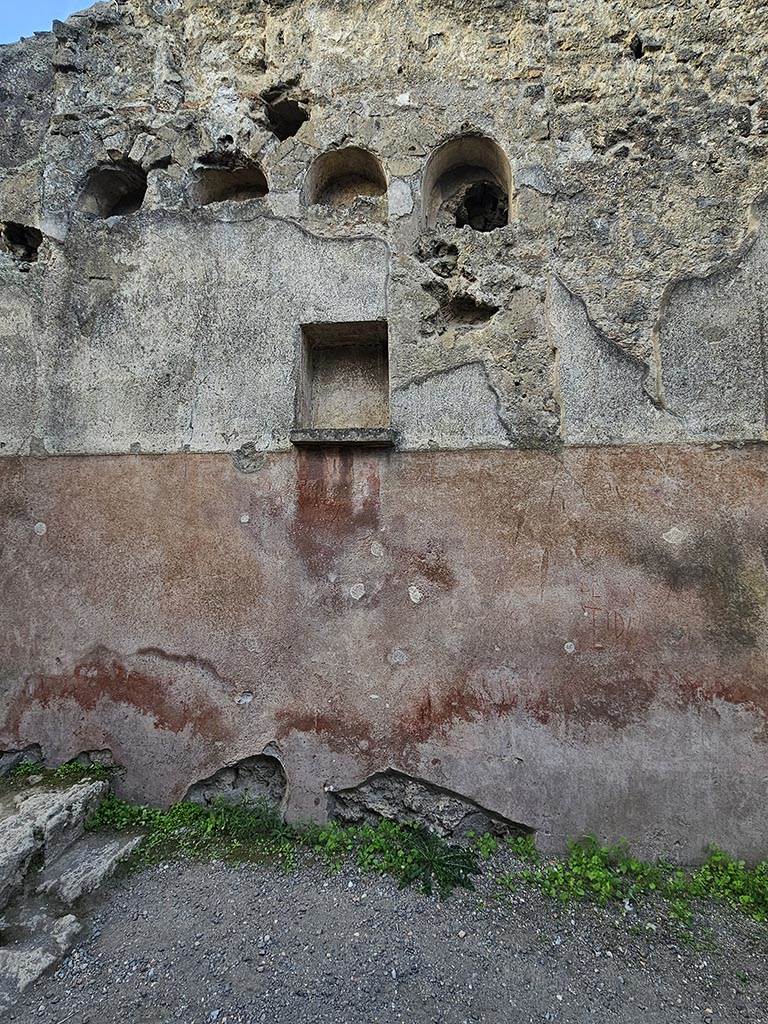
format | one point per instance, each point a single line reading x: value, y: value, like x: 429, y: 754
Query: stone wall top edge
x: 754, y: 448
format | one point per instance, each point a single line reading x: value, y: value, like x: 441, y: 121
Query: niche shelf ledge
x: 360, y: 437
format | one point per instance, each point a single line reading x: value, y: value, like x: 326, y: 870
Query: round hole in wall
x: 113, y: 189
x: 467, y: 182
x: 340, y: 176
x: 226, y: 177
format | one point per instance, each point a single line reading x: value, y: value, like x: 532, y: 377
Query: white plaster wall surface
x: 189, y: 346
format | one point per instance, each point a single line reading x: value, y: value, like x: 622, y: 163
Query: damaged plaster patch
x: 100, y: 758
x: 260, y: 777
x: 712, y: 336
x: 451, y: 408
x: 400, y: 199
x: 456, y: 311
x: 603, y: 396
x: 440, y: 256
x: 408, y: 800
x: 397, y: 656
x: 248, y: 458
x: 537, y: 177
x: 675, y: 536
x: 10, y: 759
x: 103, y: 758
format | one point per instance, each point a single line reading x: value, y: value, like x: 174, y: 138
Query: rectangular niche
x: 343, y: 391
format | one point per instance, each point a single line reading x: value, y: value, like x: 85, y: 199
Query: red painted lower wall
x: 577, y: 641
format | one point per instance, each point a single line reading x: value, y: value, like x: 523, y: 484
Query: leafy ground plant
x: 256, y: 831
x: 524, y: 848
x: 241, y: 831
x: 413, y: 855
x: 68, y: 773
x: 605, y: 874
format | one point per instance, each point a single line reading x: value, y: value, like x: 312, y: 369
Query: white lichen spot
x: 569, y: 647
x: 377, y: 550
x: 40, y: 529
x: 245, y: 518
x: 357, y: 591
x: 415, y: 594
x: 675, y: 536
x: 397, y: 656
x: 403, y: 99
x: 244, y: 698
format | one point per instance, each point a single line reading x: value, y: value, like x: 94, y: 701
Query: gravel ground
x: 240, y: 944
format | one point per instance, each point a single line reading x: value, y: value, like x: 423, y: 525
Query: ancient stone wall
x: 514, y: 256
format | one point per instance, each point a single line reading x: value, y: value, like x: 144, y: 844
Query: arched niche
x: 225, y: 177
x: 340, y: 176
x: 467, y: 182
x: 113, y: 189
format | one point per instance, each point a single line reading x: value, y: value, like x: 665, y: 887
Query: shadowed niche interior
x: 20, y: 241
x: 337, y: 178
x: 113, y: 189
x: 284, y: 114
x: 344, y: 376
x: 467, y: 183
x: 226, y: 177
x: 257, y: 778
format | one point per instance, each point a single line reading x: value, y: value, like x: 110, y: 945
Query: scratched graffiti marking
x: 612, y: 615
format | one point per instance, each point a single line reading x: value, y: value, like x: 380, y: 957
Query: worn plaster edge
x: 721, y: 268
x: 554, y: 281
x: 161, y: 216
x: 710, y: 444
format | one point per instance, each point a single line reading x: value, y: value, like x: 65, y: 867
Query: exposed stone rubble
x: 47, y: 863
x: 41, y: 824
x: 34, y: 940
x: 398, y: 797
x: 83, y: 868
x: 255, y: 778
x: 10, y: 759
